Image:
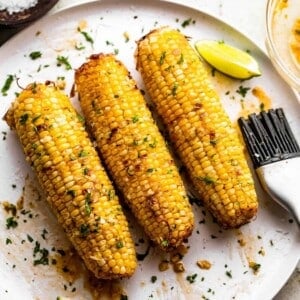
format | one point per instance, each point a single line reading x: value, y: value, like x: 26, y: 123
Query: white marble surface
x: 248, y: 16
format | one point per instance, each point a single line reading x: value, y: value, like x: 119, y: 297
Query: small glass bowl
x: 281, y: 19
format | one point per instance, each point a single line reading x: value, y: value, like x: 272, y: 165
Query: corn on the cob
x: 75, y: 183
x: 134, y: 150
x: 198, y: 125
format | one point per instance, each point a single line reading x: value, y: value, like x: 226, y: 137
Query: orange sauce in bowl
x: 295, y: 42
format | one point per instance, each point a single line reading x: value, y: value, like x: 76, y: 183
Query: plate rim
x: 71, y: 6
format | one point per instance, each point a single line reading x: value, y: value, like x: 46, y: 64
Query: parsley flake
x: 135, y: 119
x: 62, y: 60
x: 86, y: 35
x: 84, y: 230
x: 87, y: 203
x: 119, y: 244
x: 191, y: 278
x: 243, y: 90
x: 11, y: 223
x: 228, y: 273
x: 35, y: 55
x: 7, y: 84
x: 162, y: 58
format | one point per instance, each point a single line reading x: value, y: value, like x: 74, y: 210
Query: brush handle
x: 281, y: 180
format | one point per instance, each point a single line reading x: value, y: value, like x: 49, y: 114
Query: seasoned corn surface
x: 198, y: 125
x: 69, y: 171
x: 134, y: 150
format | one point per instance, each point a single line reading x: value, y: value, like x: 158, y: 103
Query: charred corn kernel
x: 163, y: 266
x: 134, y: 150
x: 59, y: 150
x: 198, y: 125
x: 178, y: 267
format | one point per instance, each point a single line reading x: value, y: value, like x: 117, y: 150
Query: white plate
x: 271, y: 240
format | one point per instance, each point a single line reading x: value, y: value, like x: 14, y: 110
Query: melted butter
x: 282, y: 4
x: 260, y: 101
x: 264, y: 99
x: 68, y: 265
x: 103, y: 289
x: 82, y: 25
x: 295, y: 42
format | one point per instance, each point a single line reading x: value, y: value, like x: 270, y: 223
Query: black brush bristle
x: 268, y: 137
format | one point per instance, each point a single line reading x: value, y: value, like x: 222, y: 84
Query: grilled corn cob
x: 76, y: 186
x: 134, y: 150
x: 198, y: 125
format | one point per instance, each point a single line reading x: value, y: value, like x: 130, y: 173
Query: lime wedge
x: 228, y: 59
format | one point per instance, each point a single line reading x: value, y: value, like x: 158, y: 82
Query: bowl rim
x: 275, y: 57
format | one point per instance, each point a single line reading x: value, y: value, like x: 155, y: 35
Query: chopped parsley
x: 111, y: 194
x: 71, y: 193
x: 162, y: 58
x: 174, y: 89
x: 43, y: 234
x: 83, y: 153
x: 213, y: 142
x: 79, y: 46
x: 191, y: 278
x: 11, y: 223
x: 187, y: 22
x: 207, y: 180
x: 181, y: 60
x: 87, y: 37
x: 86, y: 171
x: 153, y: 144
x: 23, y: 119
x: 135, y: 119
x: 8, y: 241
x: 261, y: 106
x: 29, y: 238
x: 62, y: 60
x: 80, y: 118
x: 43, y: 254
x: 243, y: 90
x: 35, y: 118
x: 84, y: 230
x: 4, y: 133
x: 35, y: 55
x: 119, y: 244
x: 164, y: 243
x: 87, y: 203
x: 228, y: 273
x: 7, y: 84
x: 153, y: 279
x: 254, y: 266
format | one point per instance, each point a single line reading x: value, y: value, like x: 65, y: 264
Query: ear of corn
x: 198, y: 125
x: 76, y: 186
x: 134, y: 150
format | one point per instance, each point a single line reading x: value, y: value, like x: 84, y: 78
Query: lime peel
x: 228, y: 59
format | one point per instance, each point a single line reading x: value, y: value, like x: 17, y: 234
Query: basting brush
x: 275, y: 154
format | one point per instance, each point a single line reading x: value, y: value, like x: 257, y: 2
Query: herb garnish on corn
x: 76, y: 185
x: 198, y: 125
